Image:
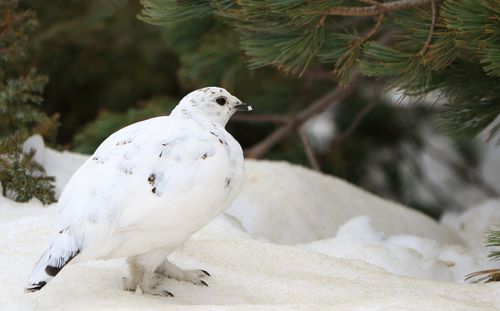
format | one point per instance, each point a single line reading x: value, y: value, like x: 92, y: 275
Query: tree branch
x: 260, y: 118
x: 318, y: 106
x: 309, y: 151
x: 370, y: 33
x: 358, y: 118
x: 375, y: 10
x: 346, y: 23
x: 431, y: 30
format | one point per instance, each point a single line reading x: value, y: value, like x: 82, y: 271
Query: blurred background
x: 106, y: 68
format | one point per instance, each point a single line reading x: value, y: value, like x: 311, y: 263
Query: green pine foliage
x: 20, y: 176
x: 293, y: 36
x: 466, y: 34
x: 491, y: 275
x: 493, y: 240
x: 23, y: 179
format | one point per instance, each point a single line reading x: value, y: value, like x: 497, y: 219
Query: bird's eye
x: 221, y: 100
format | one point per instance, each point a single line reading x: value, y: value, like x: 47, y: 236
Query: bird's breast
x: 201, y: 191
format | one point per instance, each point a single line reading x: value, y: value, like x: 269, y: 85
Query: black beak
x: 242, y: 107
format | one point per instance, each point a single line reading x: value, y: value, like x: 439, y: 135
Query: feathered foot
x: 171, y: 271
x: 147, y: 281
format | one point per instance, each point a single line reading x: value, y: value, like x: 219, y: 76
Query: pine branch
x: 260, y: 118
x: 374, y: 10
x: 358, y: 118
x: 493, y: 240
x: 431, y: 30
x: 309, y: 151
x: 329, y: 99
x: 486, y: 276
x: 375, y: 28
x: 492, y: 275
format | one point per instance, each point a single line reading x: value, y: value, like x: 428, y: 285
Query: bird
x: 147, y: 188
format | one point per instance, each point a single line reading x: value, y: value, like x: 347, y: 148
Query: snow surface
x: 472, y: 223
x: 294, y: 239
x: 288, y: 204
x: 407, y: 255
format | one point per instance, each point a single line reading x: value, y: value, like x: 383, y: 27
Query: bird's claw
x: 206, y: 273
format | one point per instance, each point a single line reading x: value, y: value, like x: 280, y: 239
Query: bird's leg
x: 170, y: 270
x: 142, y: 276
x: 136, y: 275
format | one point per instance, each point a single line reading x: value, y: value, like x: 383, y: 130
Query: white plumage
x: 147, y: 189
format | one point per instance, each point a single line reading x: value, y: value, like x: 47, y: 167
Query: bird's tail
x: 62, y: 250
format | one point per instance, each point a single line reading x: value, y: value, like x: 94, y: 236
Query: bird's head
x: 213, y: 103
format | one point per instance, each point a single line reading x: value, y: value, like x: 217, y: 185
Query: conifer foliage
x: 420, y: 45
x: 20, y: 176
x: 492, y: 275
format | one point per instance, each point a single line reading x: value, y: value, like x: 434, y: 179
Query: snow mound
x: 472, y: 223
x: 289, y: 204
x: 406, y: 255
x: 392, y: 258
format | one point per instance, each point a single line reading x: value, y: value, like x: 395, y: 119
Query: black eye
x: 221, y: 100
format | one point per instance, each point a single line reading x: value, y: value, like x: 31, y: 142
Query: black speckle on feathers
x: 128, y: 171
x: 220, y: 139
x: 151, y: 179
x: 124, y: 142
x: 95, y: 158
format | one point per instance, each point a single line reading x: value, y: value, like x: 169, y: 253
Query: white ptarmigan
x: 146, y: 190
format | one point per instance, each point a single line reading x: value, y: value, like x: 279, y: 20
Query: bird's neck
x: 190, y: 113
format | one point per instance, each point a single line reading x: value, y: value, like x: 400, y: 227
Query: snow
x: 294, y: 239
x: 406, y: 255
x: 289, y: 204
x: 472, y: 223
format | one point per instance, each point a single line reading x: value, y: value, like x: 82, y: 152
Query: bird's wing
x: 130, y: 172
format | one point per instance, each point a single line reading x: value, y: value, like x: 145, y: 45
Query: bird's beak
x: 242, y: 107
